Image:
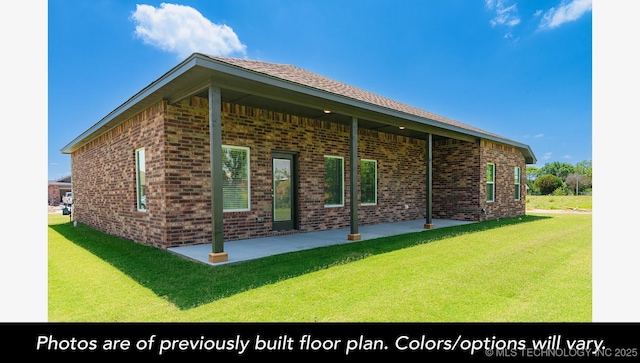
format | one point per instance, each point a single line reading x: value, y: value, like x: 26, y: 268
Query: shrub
x: 547, y: 184
x: 560, y: 191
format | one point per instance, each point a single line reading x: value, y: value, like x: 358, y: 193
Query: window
x: 491, y: 178
x: 141, y: 181
x: 516, y: 183
x: 236, y: 190
x: 368, y: 182
x: 333, y: 181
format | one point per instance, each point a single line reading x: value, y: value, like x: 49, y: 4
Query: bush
x: 547, y: 184
x: 560, y: 191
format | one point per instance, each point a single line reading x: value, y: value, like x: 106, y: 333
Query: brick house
x: 57, y: 188
x: 281, y: 150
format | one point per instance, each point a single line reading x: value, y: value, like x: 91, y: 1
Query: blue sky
x: 521, y: 69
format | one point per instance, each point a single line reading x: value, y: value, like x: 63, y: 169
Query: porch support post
x: 429, y: 222
x: 353, y: 179
x: 215, y: 147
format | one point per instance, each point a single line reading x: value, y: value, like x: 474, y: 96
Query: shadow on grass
x: 188, y: 284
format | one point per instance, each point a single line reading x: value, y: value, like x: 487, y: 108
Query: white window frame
x: 492, y: 183
x: 248, y: 166
x: 375, y: 181
x: 516, y: 185
x: 139, y: 206
x: 341, y: 181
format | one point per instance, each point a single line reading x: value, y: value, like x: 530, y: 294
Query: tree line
x: 560, y: 178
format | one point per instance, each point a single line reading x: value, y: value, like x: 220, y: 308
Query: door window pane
x: 282, y: 190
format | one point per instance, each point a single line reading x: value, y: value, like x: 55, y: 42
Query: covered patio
x: 215, y: 125
x: 250, y: 249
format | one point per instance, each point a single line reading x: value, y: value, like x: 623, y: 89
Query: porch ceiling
x: 271, y: 104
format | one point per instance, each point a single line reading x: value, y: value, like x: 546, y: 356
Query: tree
x: 561, y: 170
x: 548, y: 183
x: 533, y: 190
x: 585, y: 168
x: 578, y: 182
x: 532, y: 172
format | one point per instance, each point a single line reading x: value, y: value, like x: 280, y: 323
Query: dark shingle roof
x: 300, y: 76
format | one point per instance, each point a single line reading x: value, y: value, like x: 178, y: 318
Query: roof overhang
x: 195, y: 74
x: 60, y: 184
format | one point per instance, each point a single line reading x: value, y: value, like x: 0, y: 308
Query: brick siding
x: 176, y: 141
x: 456, y: 180
x: 55, y: 196
x: 104, y: 179
x: 505, y: 158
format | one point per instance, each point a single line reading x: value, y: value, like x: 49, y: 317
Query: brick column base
x: 428, y: 226
x: 218, y: 257
x: 354, y: 237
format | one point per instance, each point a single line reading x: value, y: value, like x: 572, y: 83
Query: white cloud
x: 505, y: 15
x: 183, y: 30
x: 539, y: 136
x: 547, y: 156
x: 569, y: 10
x: 568, y: 157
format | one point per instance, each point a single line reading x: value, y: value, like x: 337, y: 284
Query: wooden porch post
x: 215, y: 147
x: 429, y: 222
x: 353, y: 176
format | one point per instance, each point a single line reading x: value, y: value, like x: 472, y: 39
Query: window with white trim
x: 333, y: 181
x: 491, y: 182
x: 516, y: 182
x: 141, y: 181
x: 236, y: 185
x: 368, y: 182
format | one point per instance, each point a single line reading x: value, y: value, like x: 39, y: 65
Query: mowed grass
x: 563, y: 202
x: 531, y: 269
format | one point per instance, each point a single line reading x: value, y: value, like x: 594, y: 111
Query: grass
x: 537, y: 268
x: 554, y: 202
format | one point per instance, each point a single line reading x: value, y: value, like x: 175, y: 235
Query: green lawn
x: 554, y: 202
x: 537, y: 268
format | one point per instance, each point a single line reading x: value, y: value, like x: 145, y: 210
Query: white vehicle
x: 67, y: 199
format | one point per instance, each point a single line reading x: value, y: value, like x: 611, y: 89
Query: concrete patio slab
x: 249, y: 249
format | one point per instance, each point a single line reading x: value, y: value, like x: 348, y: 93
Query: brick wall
x: 54, y: 195
x: 456, y: 180
x: 176, y: 141
x: 505, y: 158
x: 104, y: 179
x: 400, y: 183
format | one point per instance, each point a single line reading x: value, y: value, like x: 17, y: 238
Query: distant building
x: 57, y: 188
